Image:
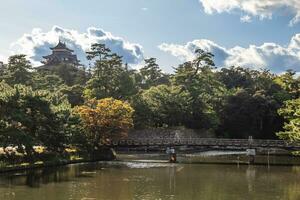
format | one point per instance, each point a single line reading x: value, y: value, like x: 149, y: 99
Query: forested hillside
x: 79, y: 106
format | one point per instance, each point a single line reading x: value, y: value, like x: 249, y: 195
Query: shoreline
x: 48, y: 164
x: 122, y: 160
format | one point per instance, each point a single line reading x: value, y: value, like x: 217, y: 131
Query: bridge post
x: 268, y: 158
x: 251, y: 155
x: 250, y: 141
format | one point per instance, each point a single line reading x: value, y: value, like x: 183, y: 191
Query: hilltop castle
x: 61, y: 54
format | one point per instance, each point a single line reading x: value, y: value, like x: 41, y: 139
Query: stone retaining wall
x: 176, y: 133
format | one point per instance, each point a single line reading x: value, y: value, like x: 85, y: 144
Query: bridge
x: 204, y: 142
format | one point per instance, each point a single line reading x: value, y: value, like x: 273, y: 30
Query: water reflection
x: 130, y: 180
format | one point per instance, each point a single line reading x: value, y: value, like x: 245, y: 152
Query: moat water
x: 148, y: 180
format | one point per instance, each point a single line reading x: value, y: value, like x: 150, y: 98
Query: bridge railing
x: 203, y: 142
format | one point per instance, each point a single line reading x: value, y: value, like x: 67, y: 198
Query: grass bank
x: 58, y: 160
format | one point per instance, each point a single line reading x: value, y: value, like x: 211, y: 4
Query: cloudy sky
x: 249, y: 33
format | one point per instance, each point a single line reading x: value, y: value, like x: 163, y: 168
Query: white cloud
x: 144, y: 9
x: 3, y: 58
x: 186, y: 52
x: 271, y: 56
x: 246, y: 19
x: 37, y: 44
x: 260, y: 8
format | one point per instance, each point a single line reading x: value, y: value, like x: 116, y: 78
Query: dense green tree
x: 99, y: 54
x: 2, y: 70
x: 247, y: 79
x: 236, y: 77
x: 245, y: 115
x: 252, y: 110
x: 289, y: 83
x: 206, y: 91
x: 31, y: 117
x: 98, y: 51
x: 142, y: 116
x: 161, y: 106
x: 74, y: 94
x: 49, y: 82
x: 110, y: 77
x: 291, y: 113
x: 151, y: 74
x: 18, y: 70
x: 69, y: 74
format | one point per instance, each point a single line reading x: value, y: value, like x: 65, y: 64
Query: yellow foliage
x: 39, y: 149
x: 25, y: 164
x: 105, y: 119
x: 71, y: 150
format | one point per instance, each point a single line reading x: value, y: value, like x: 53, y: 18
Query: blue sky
x: 181, y: 25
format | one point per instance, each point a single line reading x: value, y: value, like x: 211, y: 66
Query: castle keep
x: 61, y: 54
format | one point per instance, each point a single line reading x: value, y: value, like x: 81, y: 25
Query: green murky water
x: 146, y: 180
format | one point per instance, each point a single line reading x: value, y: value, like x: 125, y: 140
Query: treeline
x: 64, y: 104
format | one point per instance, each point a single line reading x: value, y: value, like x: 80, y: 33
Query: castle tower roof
x: 61, y: 54
x: 61, y: 46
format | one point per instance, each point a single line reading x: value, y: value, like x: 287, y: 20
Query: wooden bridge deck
x: 205, y: 142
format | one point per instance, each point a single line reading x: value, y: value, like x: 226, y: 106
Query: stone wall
x: 177, y: 133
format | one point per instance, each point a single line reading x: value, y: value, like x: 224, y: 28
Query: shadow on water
x: 38, y: 177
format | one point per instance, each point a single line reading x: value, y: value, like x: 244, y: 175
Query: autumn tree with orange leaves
x: 104, y: 120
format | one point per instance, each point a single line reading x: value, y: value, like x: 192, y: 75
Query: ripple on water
x: 142, y: 165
